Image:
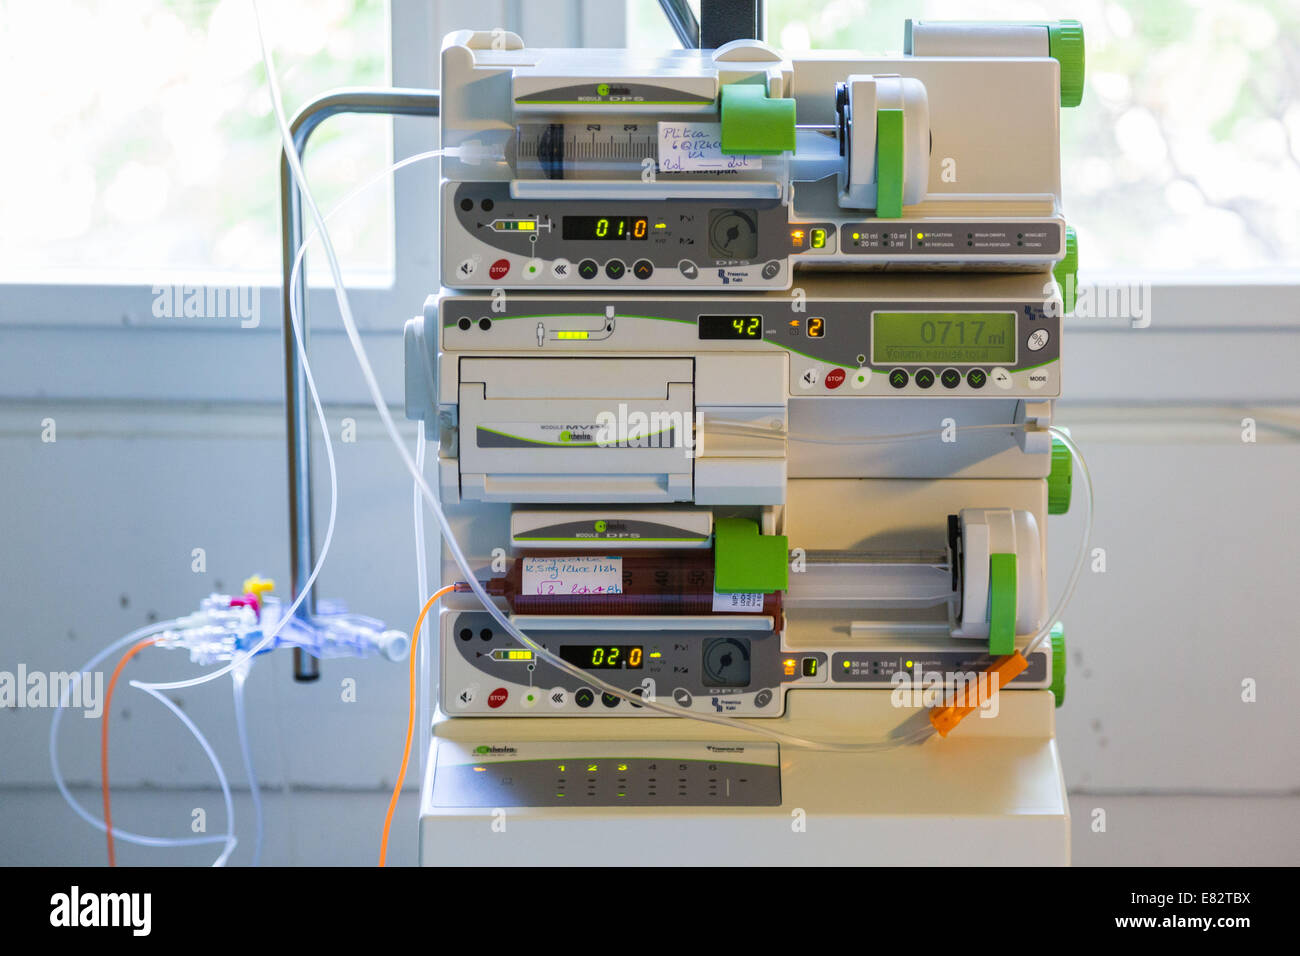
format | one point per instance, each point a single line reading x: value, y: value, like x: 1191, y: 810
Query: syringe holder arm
x: 1034, y: 438
x: 420, y: 340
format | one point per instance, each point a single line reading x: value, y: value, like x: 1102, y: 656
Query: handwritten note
x: 572, y: 576
x: 697, y: 147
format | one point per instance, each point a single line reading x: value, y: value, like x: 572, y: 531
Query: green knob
x: 1065, y: 45
x: 1060, y: 479
x: 1066, y: 272
x: 1058, y: 662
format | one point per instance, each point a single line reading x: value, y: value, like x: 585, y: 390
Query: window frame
x: 1229, y: 301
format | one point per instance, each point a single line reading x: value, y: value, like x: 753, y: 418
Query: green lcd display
x: 731, y: 326
x: 943, y: 338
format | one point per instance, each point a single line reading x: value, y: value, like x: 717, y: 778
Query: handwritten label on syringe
x: 697, y: 147
x: 572, y: 576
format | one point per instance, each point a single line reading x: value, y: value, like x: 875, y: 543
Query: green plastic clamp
x: 745, y: 561
x: 1066, y: 272
x: 754, y: 123
x: 1060, y: 479
x: 1002, y: 604
x: 889, y: 164
x: 1065, y: 45
x: 1058, y: 662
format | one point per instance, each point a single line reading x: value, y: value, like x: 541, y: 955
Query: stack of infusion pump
x: 741, y: 382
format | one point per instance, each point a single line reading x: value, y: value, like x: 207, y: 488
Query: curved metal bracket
x: 302, y: 544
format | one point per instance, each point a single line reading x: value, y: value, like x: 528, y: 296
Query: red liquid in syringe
x: 645, y: 583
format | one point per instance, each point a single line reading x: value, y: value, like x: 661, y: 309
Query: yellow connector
x: 258, y: 585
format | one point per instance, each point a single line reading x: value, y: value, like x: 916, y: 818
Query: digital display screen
x: 603, y: 657
x: 943, y: 338
x: 731, y: 326
x: 604, y: 227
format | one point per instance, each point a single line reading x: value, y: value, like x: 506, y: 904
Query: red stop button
x: 498, y: 697
x: 499, y: 269
x: 835, y: 377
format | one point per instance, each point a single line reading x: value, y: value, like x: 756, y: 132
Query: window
x: 166, y: 145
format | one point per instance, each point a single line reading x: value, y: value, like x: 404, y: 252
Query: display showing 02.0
x: 603, y: 656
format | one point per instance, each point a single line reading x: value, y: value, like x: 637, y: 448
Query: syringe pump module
x: 734, y: 168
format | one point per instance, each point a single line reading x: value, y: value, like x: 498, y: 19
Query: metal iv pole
x: 721, y: 21
x: 302, y: 544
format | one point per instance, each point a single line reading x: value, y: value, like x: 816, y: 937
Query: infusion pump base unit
x: 660, y: 792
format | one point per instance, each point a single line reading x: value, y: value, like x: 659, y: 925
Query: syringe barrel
x: 582, y: 151
x: 916, y: 579
x: 653, y: 583
x: 613, y: 149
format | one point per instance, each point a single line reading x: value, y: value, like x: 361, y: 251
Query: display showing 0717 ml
x: 943, y: 338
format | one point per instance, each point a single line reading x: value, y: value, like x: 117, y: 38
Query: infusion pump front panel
x: 492, y: 240
x: 486, y: 673
x: 1004, y: 346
